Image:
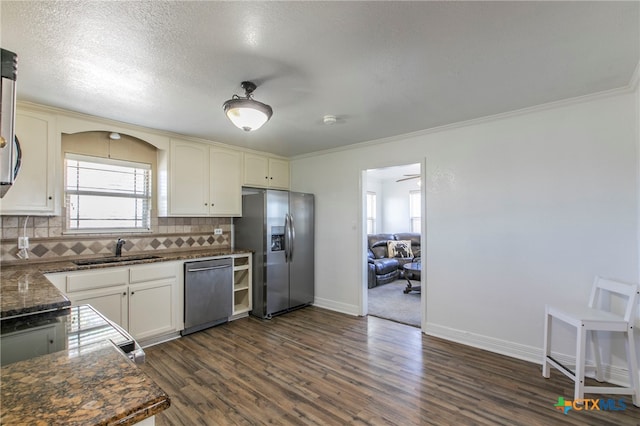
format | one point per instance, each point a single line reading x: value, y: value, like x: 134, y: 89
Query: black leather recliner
x: 383, y: 269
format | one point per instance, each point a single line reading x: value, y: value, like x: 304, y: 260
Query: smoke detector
x: 329, y: 119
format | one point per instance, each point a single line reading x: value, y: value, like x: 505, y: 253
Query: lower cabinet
x: 151, y: 310
x: 145, y: 300
x: 111, y: 302
x: 32, y: 342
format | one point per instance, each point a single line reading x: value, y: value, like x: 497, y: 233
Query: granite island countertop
x: 100, y: 387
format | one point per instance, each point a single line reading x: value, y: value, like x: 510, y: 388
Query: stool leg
x: 595, y: 345
x: 580, y: 363
x: 547, y: 346
x: 633, y: 366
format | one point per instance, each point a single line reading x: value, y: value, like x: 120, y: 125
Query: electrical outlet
x: 217, y: 231
x: 23, y: 242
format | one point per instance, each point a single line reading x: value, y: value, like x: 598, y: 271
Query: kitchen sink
x: 114, y: 259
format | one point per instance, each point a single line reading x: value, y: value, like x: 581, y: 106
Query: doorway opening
x: 393, y: 206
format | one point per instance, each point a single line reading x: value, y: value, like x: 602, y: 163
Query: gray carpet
x: 389, y: 302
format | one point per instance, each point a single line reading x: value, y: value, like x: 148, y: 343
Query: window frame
x: 148, y: 199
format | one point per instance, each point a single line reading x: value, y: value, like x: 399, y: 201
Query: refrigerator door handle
x: 292, y: 237
x: 286, y: 237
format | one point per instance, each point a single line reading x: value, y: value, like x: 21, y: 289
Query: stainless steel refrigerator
x: 278, y: 227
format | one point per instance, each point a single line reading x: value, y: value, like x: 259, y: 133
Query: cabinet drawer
x: 155, y: 271
x: 90, y: 280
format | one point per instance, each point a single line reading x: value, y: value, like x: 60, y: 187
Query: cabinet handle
x: 51, y: 341
x: 50, y: 197
x: 133, y: 292
x: 205, y: 204
x: 124, y: 293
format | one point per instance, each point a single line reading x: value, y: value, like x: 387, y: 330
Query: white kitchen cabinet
x: 225, y: 179
x: 189, y: 179
x: 151, y: 309
x: 112, y: 302
x: 142, y: 299
x: 33, y: 192
x: 153, y: 299
x: 204, y: 180
x: 265, y: 172
x: 242, y: 290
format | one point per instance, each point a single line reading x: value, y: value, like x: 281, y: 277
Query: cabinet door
x: 278, y: 173
x: 189, y: 179
x: 33, y: 191
x: 110, y: 302
x: 32, y: 342
x: 151, y: 308
x: 225, y: 182
x: 256, y: 170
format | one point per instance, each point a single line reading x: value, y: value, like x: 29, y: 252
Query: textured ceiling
x: 383, y: 68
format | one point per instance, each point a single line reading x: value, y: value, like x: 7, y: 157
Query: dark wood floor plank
x: 317, y: 367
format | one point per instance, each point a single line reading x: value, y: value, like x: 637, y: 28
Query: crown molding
x: 481, y: 120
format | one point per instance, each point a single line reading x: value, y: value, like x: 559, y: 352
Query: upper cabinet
x: 204, y: 180
x: 225, y: 182
x: 33, y: 192
x: 265, y: 172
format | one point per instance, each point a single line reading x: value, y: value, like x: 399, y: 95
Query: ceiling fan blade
x: 408, y: 178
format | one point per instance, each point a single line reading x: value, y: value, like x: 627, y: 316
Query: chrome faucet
x: 119, y: 245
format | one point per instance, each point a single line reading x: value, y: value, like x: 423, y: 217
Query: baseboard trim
x: 332, y: 305
x: 613, y: 374
x: 152, y: 341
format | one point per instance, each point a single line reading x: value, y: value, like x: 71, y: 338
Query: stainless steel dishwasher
x: 208, y: 286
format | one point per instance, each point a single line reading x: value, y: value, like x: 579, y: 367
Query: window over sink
x: 106, y: 195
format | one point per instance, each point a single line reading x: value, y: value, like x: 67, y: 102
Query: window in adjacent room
x: 415, y: 211
x: 371, y: 212
x: 104, y: 194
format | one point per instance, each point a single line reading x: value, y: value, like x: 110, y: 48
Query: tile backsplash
x: 47, y: 241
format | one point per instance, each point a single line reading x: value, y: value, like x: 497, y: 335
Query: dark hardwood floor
x: 319, y: 367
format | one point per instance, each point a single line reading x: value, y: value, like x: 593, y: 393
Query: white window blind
x: 106, y: 194
x: 371, y: 212
x: 415, y: 209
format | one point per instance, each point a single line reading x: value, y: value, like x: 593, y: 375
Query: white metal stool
x: 588, y: 320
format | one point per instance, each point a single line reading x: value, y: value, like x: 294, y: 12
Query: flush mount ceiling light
x: 247, y: 113
x: 114, y: 136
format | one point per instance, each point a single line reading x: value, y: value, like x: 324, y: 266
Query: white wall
x: 521, y: 210
x: 395, y: 205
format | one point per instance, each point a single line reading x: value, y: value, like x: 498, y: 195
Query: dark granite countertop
x: 98, y: 387
x: 25, y: 290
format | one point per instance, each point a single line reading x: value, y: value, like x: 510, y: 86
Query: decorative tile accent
x: 78, y: 248
x: 59, y: 249
x: 39, y: 250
